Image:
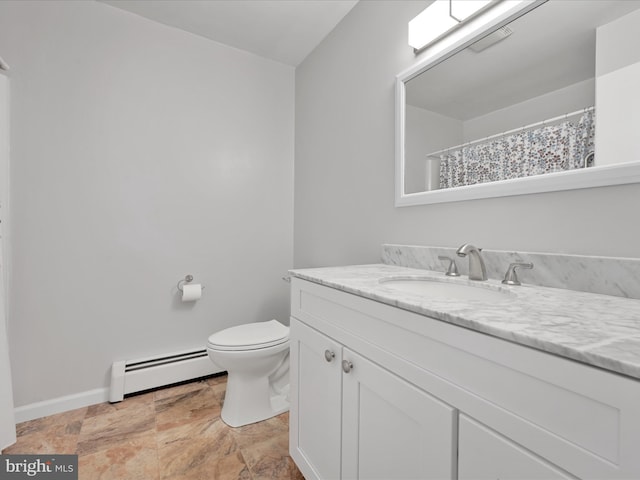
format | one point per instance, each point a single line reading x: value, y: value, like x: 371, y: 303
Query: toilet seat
x: 250, y: 336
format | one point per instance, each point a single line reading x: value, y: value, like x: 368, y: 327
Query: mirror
x: 535, y: 97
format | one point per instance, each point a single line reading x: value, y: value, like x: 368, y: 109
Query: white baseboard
x: 60, y: 404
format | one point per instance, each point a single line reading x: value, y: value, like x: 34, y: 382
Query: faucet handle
x: 510, y: 278
x: 452, y: 269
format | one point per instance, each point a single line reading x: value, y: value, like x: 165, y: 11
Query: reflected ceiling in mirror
x: 513, y: 102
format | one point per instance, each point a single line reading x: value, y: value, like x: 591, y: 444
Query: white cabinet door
x: 316, y: 394
x: 486, y: 455
x: 391, y: 429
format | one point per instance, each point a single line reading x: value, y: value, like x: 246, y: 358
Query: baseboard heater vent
x: 130, y: 376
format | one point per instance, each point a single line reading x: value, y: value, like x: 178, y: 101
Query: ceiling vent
x: 491, y: 39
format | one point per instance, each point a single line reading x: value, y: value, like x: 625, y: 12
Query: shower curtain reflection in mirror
x: 533, y: 150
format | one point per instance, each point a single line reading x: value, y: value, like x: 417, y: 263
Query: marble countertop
x: 599, y: 330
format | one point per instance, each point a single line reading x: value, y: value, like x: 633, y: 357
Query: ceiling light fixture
x: 440, y: 18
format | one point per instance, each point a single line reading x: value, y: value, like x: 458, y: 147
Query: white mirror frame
x: 500, y: 15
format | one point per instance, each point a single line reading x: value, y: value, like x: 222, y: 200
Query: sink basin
x: 442, y: 290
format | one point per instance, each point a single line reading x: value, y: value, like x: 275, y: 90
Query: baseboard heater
x: 130, y: 376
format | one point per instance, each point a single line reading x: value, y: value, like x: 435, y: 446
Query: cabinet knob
x: 329, y: 355
x: 347, y: 366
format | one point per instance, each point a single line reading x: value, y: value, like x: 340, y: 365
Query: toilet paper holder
x: 186, y: 279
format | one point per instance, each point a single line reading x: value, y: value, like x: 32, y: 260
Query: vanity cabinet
x: 353, y: 419
x: 423, y: 398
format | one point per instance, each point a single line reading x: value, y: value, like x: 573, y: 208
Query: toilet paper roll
x: 192, y: 292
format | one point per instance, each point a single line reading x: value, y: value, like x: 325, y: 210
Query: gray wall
x: 427, y: 132
x: 344, y: 185
x: 140, y: 153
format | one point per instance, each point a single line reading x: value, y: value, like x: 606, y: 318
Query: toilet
x: 256, y: 358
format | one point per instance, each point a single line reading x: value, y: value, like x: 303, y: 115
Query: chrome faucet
x: 477, y: 270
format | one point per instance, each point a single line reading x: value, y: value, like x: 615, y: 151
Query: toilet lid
x: 250, y: 336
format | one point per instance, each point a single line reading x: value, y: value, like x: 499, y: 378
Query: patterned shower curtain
x: 541, y: 150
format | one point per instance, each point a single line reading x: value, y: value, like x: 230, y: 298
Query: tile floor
x: 172, y: 433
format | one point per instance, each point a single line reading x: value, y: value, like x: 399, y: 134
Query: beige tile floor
x: 173, y: 433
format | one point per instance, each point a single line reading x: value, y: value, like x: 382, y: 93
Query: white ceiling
x: 283, y: 30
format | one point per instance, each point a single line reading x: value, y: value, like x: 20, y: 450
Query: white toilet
x: 256, y: 357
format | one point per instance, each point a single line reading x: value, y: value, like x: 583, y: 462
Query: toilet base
x: 251, y: 400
